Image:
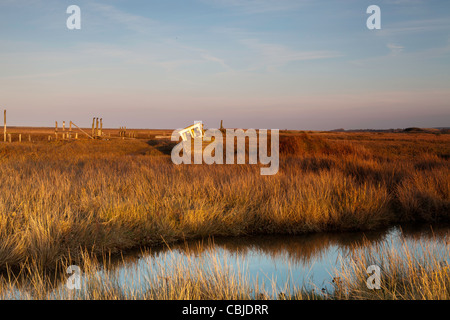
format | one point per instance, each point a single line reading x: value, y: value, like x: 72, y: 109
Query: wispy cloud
x: 172, y: 65
x: 398, y: 55
x: 212, y: 58
x: 60, y: 74
x: 258, y: 6
x: 395, y: 49
x: 130, y: 21
x: 407, y: 2
x: 414, y: 27
x: 271, y: 56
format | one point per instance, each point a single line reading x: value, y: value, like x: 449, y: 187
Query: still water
x: 309, y: 261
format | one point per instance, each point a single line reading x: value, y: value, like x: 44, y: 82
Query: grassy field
x: 60, y: 198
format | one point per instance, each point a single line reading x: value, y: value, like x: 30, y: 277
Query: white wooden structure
x: 196, y: 131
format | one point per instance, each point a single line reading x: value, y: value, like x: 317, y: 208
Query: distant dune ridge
x: 445, y: 130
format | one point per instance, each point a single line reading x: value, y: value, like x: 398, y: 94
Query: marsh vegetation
x: 64, y: 201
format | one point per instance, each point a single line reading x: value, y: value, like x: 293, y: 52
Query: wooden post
x: 76, y: 135
x: 56, y: 130
x: 64, y: 126
x: 93, y: 125
x: 29, y: 138
x: 4, y: 129
x: 49, y: 138
x: 101, y: 127
x: 9, y: 137
x: 70, y: 126
x: 20, y: 137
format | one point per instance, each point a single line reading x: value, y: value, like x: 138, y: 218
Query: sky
x: 264, y: 64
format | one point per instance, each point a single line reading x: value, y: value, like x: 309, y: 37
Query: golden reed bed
x: 60, y: 198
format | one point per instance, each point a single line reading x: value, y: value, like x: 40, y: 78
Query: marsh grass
x: 62, y: 198
x: 413, y: 271
x: 182, y: 279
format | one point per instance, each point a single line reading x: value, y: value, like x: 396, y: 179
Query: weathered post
x: 9, y: 137
x: 29, y: 138
x: 56, y: 130
x: 93, y: 125
x: 76, y: 135
x: 101, y: 127
x: 4, y: 128
x: 20, y: 137
x: 96, y: 127
x: 70, y: 129
x: 64, y: 126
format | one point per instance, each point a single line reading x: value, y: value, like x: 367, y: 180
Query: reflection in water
x: 304, y: 261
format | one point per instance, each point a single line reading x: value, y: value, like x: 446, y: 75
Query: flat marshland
x: 63, y: 201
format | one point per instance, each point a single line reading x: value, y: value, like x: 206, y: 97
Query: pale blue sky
x: 297, y: 64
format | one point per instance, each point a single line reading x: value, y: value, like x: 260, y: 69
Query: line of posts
x: 96, y: 130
